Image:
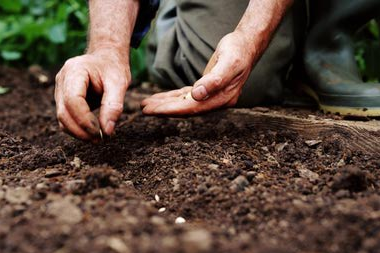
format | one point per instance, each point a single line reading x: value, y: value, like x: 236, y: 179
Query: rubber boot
x: 329, y: 59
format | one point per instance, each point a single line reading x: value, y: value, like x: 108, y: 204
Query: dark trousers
x: 187, y: 32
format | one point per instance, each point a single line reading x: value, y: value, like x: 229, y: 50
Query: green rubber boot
x: 329, y: 59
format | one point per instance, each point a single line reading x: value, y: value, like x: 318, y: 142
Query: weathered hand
x: 105, y: 73
x: 220, y: 86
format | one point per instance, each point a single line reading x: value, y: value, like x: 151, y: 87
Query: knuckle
x: 68, y: 101
x: 73, y: 62
x: 116, y: 107
x: 69, y: 62
x: 217, y: 82
x: 236, y: 62
x: 58, y: 77
x: 61, y: 115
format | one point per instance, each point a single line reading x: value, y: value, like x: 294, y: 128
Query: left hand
x: 221, y: 84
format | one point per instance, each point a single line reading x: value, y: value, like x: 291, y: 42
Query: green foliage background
x: 368, y: 51
x: 47, y: 32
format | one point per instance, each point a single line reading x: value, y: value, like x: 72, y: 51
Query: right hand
x: 105, y: 72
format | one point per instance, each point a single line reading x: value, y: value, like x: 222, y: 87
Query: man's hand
x: 102, y: 73
x: 228, y: 68
x: 105, y: 73
x: 220, y: 86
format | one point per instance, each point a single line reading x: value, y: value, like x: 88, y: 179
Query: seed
x: 101, y: 134
x: 157, y: 198
x: 180, y: 220
x: 187, y: 96
x: 162, y: 209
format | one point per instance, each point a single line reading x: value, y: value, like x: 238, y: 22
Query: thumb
x: 111, y: 105
x: 219, y: 73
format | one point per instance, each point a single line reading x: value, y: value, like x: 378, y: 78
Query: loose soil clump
x: 230, y: 187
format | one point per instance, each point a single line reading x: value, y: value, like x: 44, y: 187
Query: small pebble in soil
x: 313, y: 143
x: 52, y: 172
x: 176, y: 185
x: 65, y: 211
x: 197, y: 241
x: 180, y: 220
x: 260, y: 176
x: 17, y: 195
x: 75, y: 185
x: 213, y: 166
x: 76, y: 163
x: 117, y: 245
x: 226, y: 161
x: 280, y: 147
x: 239, y: 183
x: 308, y: 174
x: 41, y: 186
x: 129, y: 184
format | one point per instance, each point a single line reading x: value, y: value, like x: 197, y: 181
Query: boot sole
x: 342, y: 110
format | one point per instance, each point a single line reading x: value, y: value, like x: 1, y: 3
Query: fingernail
x: 94, y: 127
x: 110, y: 127
x: 92, y: 130
x: 200, y: 93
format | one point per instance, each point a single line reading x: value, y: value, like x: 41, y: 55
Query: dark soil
x: 239, y: 189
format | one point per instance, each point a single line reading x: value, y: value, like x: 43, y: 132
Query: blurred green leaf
x: 14, y: 6
x: 367, y: 55
x: 48, y: 32
x: 373, y: 27
x: 10, y: 55
x: 64, y: 10
x: 3, y: 90
x: 57, y: 33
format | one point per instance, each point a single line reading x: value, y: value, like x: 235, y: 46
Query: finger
x: 164, y: 95
x: 206, y: 86
x: 65, y: 121
x: 179, y: 106
x: 157, y: 102
x: 112, y: 105
x: 220, y: 74
x: 188, y: 106
x: 172, y: 93
x: 68, y: 125
x: 75, y: 89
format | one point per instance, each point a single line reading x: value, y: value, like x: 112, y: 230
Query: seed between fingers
x: 101, y: 134
x: 187, y: 96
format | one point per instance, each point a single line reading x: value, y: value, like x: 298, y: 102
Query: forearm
x: 260, y: 22
x: 111, y: 24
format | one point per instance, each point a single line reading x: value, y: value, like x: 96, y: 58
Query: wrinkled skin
x: 105, y: 73
x: 105, y: 69
x: 220, y: 86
